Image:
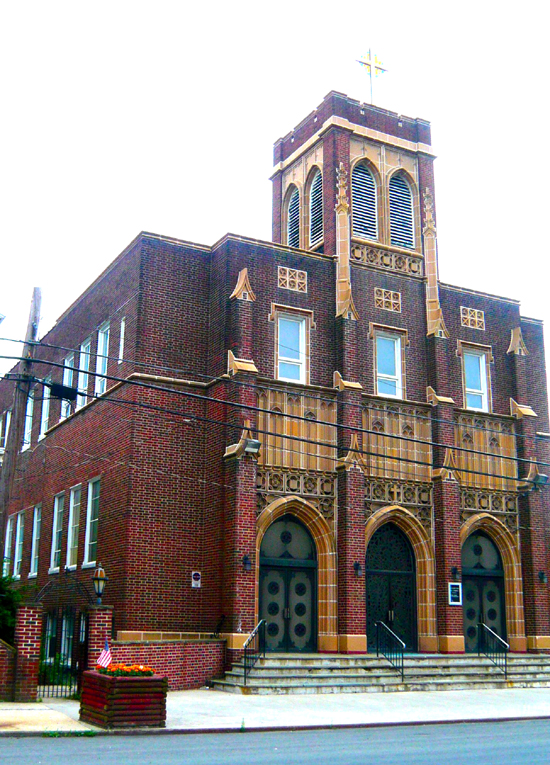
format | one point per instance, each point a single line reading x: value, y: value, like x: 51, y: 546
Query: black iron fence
x: 493, y: 647
x: 254, y: 647
x: 63, y: 651
x: 391, y: 647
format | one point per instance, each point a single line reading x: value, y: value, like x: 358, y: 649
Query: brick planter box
x: 123, y: 702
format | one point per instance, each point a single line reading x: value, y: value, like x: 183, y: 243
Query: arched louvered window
x: 401, y: 213
x: 316, y: 210
x: 293, y: 220
x: 363, y: 197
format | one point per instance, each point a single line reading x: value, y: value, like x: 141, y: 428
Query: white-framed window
x: 101, y: 359
x: 316, y: 209
x: 121, y: 340
x: 83, y: 370
x: 364, y: 203
x: 475, y: 380
x: 50, y: 647
x: 45, y: 413
x: 36, y: 524
x: 8, y: 539
x: 19, y: 537
x: 4, y: 429
x: 293, y: 219
x: 92, y: 519
x: 57, y: 532
x: 67, y: 635
x: 68, y: 374
x: 27, y: 433
x: 291, y: 348
x: 74, y: 525
x: 389, y: 372
x: 401, y: 212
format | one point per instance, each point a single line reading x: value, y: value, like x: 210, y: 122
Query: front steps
x: 344, y: 673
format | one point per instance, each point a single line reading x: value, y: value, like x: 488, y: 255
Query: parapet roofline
x: 468, y: 291
x: 355, y: 102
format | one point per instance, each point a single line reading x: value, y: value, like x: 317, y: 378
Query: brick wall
x: 186, y: 664
x: 7, y: 671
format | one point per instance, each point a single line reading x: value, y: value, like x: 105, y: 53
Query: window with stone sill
x: 476, y: 376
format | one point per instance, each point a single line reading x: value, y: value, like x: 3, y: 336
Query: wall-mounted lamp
x: 358, y: 568
x: 541, y: 479
x: 247, y: 563
x: 99, y: 579
x: 543, y: 578
x: 455, y: 572
x: 252, y: 446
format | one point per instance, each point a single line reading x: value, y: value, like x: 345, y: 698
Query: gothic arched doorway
x: 288, y: 586
x: 391, y: 585
x: 483, y: 588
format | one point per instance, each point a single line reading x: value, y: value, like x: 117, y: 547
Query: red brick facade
x: 7, y: 671
x: 170, y: 504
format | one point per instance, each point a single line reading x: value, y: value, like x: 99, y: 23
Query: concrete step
x: 324, y: 673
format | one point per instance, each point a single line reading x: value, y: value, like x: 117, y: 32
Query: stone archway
x: 326, y: 556
x: 513, y: 583
x: 425, y: 568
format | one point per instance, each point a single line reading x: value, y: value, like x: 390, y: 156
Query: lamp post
x: 100, y: 580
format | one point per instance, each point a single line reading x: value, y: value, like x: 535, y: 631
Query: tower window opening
x: 293, y: 220
x: 363, y: 197
x: 316, y: 210
x: 401, y: 213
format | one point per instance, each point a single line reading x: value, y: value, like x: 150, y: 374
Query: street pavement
x: 525, y: 742
x: 208, y: 710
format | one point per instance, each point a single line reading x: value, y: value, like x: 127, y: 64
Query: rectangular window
x: 121, y: 340
x: 83, y: 370
x: 101, y: 359
x: 67, y: 635
x: 68, y: 373
x: 36, y: 523
x: 7, y: 547
x: 475, y: 380
x: 389, y: 374
x: 50, y: 648
x: 19, y: 536
x: 4, y: 429
x: 28, y: 421
x: 74, y: 524
x: 57, y: 531
x: 45, y: 414
x: 291, y: 348
x: 92, y: 518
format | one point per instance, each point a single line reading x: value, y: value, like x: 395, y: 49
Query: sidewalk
x: 208, y: 710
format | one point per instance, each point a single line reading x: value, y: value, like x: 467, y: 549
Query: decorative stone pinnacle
x: 429, y: 222
x: 342, y: 189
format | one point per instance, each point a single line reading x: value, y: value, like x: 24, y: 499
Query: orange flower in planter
x: 126, y: 670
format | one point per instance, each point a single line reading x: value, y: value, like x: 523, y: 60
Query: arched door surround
x: 288, y: 591
x: 482, y: 589
x: 422, y: 547
x: 323, y: 537
x: 508, y: 549
x: 391, y: 585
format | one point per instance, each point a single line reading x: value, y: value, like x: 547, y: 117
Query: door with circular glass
x: 483, y: 589
x: 288, y: 587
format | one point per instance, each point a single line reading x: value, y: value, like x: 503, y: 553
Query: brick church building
x: 314, y: 431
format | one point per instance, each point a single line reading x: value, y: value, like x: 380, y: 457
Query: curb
x: 93, y: 732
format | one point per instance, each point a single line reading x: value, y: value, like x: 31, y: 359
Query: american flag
x: 105, y: 657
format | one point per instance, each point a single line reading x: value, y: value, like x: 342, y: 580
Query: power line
x: 301, y: 418
x: 259, y: 386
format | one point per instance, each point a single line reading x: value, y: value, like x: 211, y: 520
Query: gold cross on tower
x: 373, y: 66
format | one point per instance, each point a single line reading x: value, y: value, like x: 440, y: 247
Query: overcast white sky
x: 125, y: 116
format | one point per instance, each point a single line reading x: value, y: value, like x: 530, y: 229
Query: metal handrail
x: 254, y: 647
x: 391, y: 647
x: 493, y: 647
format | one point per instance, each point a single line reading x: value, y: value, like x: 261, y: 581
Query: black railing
x: 391, y: 647
x: 254, y: 647
x: 493, y: 647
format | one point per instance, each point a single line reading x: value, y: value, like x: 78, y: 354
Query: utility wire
x: 301, y: 418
